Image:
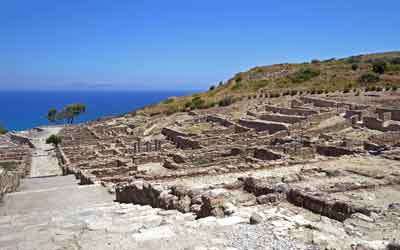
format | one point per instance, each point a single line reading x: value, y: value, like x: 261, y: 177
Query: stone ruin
x: 309, y: 155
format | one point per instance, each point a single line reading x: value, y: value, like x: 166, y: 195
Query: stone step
x: 38, y: 183
x: 54, y: 198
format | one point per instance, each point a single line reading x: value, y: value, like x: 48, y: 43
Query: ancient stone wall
x: 333, y: 151
x: 290, y: 111
x: 220, y: 120
x: 186, y: 143
x: 321, y: 204
x: 266, y: 154
x: 9, y: 182
x: 318, y: 102
x: 395, y: 113
x: 20, y: 140
x: 260, y: 125
x: 282, y: 118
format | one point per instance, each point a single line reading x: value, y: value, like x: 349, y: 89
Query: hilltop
x: 379, y: 71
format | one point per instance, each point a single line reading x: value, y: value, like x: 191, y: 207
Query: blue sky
x: 135, y: 44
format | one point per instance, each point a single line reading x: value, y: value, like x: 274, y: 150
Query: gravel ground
x: 257, y: 237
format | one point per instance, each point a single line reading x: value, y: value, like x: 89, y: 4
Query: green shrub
x: 168, y: 101
x: 387, y: 88
x: 394, y: 88
x: 395, y: 60
x: 314, y: 61
x: 354, y: 59
x: 354, y: 66
x: 2, y: 130
x: 304, y: 75
x: 293, y: 92
x: 379, y: 88
x: 172, y: 110
x: 53, y: 139
x: 379, y: 66
x: 346, y: 90
x: 212, y: 87
x: 197, y: 103
x: 226, y: 101
x: 393, y: 67
x: 369, y: 78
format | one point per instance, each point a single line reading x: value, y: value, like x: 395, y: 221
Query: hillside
x: 379, y: 72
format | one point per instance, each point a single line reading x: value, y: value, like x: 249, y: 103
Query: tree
x: 369, y: 78
x: 379, y: 66
x: 52, y: 115
x: 354, y: 66
x: 73, y: 110
x: 54, y: 139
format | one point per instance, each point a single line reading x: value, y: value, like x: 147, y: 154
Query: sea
x: 21, y: 110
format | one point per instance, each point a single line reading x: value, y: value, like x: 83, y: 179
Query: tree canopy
x: 68, y: 113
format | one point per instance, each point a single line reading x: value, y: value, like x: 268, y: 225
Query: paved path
x: 44, y: 161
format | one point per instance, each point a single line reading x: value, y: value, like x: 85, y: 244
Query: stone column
x: 139, y: 145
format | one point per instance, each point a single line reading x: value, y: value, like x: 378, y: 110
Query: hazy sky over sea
x: 142, y: 44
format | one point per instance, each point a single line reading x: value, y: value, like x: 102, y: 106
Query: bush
x: 354, y: 59
x: 379, y: 88
x: 197, y: 103
x: 395, y: 60
x: 354, y: 66
x: 168, y: 101
x: 314, y: 61
x: 394, y: 88
x: 346, y: 90
x: 379, y: 66
x: 369, y: 78
x: 304, y: 75
x: 226, y: 101
x: 2, y: 130
x: 212, y: 87
x: 387, y: 88
x: 53, y: 139
x: 293, y: 92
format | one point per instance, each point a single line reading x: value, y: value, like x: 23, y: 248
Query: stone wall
x: 318, y: 102
x: 260, y: 125
x: 282, y: 118
x: 321, y: 204
x: 378, y: 124
x: 172, y: 134
x: 266, y: 155
x: 186, y: 143
x: 9, y: 182
x: 395, y: 113
x: 290, y: 111
x: 333, y: 151
x: 220, y: 120
x: 20, y: 140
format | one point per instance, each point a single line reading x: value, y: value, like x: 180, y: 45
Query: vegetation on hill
x: 361, y: 72
x: 2, y: 130
x: 69, y: 113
